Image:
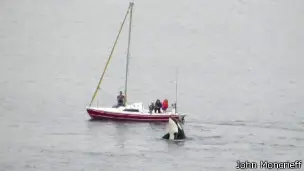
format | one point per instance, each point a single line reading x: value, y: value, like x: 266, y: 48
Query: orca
x: 175, y: 130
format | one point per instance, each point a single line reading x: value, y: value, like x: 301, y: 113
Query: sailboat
x: 129, y: 111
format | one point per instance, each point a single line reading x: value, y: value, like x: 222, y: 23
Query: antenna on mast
x: 176, y: 76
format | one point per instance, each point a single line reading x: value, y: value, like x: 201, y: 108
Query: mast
x: 176, y: 90
x: 128, y: 52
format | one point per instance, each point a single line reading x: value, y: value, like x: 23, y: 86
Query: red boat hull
x: 99, y: 114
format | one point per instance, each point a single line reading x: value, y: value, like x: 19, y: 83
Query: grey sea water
x: 240, y: 76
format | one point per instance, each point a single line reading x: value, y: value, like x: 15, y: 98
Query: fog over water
x: 240, y: 75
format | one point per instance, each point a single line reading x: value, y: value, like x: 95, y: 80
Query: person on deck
x: 120, y: 99
x: 151, y: 108
x: 165, y: 105
x: 157, y: 106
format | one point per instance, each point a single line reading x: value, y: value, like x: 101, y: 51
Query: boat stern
x: 180, y: 117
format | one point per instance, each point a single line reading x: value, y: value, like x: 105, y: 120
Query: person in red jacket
x: 165, y: 105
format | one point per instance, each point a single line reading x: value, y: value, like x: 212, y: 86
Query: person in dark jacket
x: 151, y: 108
x: 120, y: 99
x: 157, y: 106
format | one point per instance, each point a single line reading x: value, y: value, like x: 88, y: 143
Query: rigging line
x: 100, y: 80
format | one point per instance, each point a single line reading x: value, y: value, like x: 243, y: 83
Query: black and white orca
x: 175, y: 130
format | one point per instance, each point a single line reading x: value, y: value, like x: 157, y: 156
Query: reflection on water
x: 121, y: 129
x: 174, y: 144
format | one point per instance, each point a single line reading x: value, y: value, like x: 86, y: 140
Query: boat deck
x: 121, y: 111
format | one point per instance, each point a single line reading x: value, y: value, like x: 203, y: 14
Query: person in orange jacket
x: 165, y: 105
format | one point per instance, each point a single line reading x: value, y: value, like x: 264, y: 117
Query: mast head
x: 131, y: 4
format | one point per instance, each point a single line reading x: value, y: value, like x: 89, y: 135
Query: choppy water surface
x: 240, y: 79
